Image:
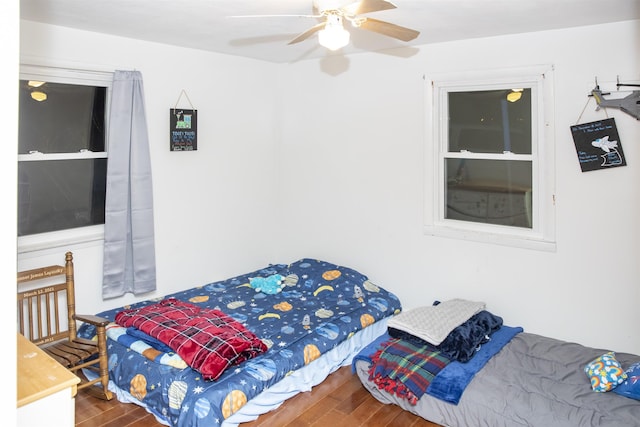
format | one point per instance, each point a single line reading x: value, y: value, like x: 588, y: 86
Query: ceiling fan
x: 331, y: 32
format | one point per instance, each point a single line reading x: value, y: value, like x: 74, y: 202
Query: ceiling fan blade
x: 311, y: 31
x: 274, y: 16
x: 367, y: 6
x: 389, y: 29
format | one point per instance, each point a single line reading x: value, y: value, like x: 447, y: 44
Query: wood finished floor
x: 339, y: 401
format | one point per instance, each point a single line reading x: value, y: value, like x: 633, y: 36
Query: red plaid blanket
x: 207, y: 340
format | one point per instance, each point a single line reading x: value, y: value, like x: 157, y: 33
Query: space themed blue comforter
x: 312, y: 307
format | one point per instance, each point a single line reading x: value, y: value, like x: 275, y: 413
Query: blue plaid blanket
x: 447, y: 384
x: 406, y: 369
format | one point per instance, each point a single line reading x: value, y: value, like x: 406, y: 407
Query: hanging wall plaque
x: 183, y: 132
x: 598, y: 145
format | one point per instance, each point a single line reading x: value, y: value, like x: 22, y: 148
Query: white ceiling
x: 207, y: 24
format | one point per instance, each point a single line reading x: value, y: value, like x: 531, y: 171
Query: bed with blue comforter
x: 225, y: 352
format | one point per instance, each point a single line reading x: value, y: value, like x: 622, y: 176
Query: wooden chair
x: 47, y: 317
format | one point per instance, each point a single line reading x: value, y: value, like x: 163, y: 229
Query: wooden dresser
x: 46, y: 389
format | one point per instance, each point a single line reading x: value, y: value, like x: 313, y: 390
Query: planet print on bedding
x: 320, y: 307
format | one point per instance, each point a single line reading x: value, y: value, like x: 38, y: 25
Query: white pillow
x: 433, y: 323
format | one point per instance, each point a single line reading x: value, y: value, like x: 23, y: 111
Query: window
x: 62, y: 149
x: 490, y: 145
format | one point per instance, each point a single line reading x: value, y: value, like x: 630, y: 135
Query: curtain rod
x: 41, y: 62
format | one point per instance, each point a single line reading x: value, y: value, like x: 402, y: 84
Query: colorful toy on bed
x: 269, y: 285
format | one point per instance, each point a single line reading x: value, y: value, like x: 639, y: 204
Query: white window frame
x: 541, y: 235
x: 55, y: 74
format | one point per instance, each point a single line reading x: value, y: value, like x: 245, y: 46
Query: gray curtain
x: 129, y: 248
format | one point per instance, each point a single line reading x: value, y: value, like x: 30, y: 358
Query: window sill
x: 64, y: 238
x: 524, y: 241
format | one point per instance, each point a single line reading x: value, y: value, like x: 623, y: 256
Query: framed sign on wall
x: 184, y: 130
x: 598, y: 145
x: 183, y: 123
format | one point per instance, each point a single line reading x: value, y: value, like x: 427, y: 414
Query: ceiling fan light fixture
x: 333, y: 36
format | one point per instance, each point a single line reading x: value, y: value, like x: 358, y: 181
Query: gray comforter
x: 533, y: 381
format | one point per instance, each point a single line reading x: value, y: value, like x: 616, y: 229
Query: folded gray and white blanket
x: 434, y: 323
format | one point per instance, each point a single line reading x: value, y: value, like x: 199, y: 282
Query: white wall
x: 357, y: 194
x: 326, y: 159
x: 213, y: 206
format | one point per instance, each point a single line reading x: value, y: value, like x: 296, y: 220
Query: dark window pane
x: 60, y: 194
x: 487, y: 122
x: 489, y: 191
x: 70, y: 119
